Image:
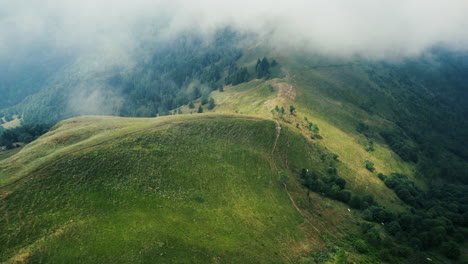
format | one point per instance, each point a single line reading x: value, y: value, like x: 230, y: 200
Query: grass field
x: 335, y: 120
x: 181, y: 189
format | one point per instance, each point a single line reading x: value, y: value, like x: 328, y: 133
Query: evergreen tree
x: 292, y: 109
x: 191, y: 106
x: 200, y: 109
x: 211, y: 104
x: 263, y: 68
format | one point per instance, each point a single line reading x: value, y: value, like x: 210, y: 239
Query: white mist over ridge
x: 337, y: 27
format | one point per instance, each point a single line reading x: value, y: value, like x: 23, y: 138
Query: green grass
x: 200, y: 189
x: 5, y: 154
x: 307, y: 90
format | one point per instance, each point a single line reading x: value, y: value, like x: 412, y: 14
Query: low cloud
x: 370, y: 28
x: 94, y: 100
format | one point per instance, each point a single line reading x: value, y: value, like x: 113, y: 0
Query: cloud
x: 381, y: 28
x: 94, y: 99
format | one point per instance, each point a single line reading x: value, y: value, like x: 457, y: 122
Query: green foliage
x: 175, y: 72
x: 361, y: 246
x: 237, y: 75
x: 211, y: 104
x: 274, y: 63
x: 405, y: 189
x: 362, y: 127
x: 263, y: 68
x: 340, y: 182
x: 341, y: 257
x: 25, y: 133
x: 401, y: 145
x: 370, y: 166
x: 200, y: 109
x: 450, y: 250
x: 292, y: 109
x: 191, y: 105
x: 370, y: 145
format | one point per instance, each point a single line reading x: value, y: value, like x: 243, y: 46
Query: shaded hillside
x: 194, y: 189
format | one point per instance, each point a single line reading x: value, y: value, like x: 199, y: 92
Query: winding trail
x: 278, y: 133
x: 306, y: 217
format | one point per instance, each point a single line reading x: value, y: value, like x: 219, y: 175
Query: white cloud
x: 339, y: 27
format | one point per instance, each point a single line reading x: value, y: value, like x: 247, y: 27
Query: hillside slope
x: 199, y: 188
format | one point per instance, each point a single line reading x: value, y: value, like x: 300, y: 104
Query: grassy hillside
x: 183, y: 189
x: 358, y: 167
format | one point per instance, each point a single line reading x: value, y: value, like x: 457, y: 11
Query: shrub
x: 370, y: 166
x: 211, y: 104
x: 340, y: 181
x: 361, y: 246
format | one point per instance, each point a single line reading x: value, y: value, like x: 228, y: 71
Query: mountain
x: 247, y: 154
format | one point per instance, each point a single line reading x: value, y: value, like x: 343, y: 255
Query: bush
x: 370, y: 166
x: 382, y: 177
x: 344, y: 196
x: 356, y: 202
x: 340, y: 182
x: 361, y: 246
x: 393, y: 227
x: 211, y: 104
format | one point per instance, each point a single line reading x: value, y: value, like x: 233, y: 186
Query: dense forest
x: 434, y: 220
x: 177, y: 72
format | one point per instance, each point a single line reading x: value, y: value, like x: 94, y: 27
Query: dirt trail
x: 278, y: 133
x: 286, y: 91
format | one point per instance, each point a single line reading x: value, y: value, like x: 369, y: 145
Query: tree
x: 370, y: 166
x: 204, y: 100
x: 282, y: 110
x: 292, y: 109
x: 340, y: 182
x: 356, y: 202
x: 196, y: 93
x: 393, y: 227
x: 274, y: 63
x: 200, y: 109
x: 191, y: 105
x: 343, y: 196
x: 263, y: 68
x: 9, y: 145
x: 277, y: 109
x: 211, y: 104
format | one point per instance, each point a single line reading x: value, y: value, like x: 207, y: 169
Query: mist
x: 337, y: 27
